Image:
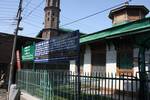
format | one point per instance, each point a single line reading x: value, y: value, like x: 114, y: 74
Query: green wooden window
x: 125, y: 57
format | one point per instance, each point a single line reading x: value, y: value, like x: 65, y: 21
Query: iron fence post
x: 45, y: 85
x: 142, y: 74
x: 78, y: 67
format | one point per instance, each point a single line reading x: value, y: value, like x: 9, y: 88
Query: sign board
x: 64, y: 47
x: 28, y: 53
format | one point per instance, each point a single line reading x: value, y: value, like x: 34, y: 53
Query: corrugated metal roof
x: 124, y: 29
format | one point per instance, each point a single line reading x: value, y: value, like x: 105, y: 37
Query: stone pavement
x: 3, y: 94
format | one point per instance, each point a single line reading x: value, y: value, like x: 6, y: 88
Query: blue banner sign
x: 64, y: 47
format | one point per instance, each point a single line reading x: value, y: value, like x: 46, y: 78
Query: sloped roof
x: 64, y: 30
x: 143, y: 8
x: 120, y: 30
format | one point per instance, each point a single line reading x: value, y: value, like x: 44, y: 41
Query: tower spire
x: 52, y: 10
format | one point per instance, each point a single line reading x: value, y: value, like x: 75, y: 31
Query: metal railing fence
x: 48, y: 85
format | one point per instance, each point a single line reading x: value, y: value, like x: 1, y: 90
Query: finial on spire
x: 127, y: 2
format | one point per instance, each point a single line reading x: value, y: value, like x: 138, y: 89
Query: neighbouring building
x: 116, y: 49
x: 113, y: 50
x: 6, y: 44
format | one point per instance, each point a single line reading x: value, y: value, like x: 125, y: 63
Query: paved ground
x: 3, y: 94
x: 26, y: 96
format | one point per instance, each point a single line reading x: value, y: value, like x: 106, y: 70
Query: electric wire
x: 33, y: 9
x: 7, y: 16
x: 26, y: 5
x: 31, y: 24
x: 36, y: 15
x: 91, y: 15
x: 87, y: 25
x: 8, y: 19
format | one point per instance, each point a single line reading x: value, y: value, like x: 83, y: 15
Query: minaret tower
x: 52, y: 10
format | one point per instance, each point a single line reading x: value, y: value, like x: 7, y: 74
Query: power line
x: 7, y: 12
x: 2, y: 8
x: 31, y: 24
x: 5, y: 23
x: 12, y: 23
x: 9, y: 1
x: 34, y: 19
x: 33, y: 9
x: 94, y: 14
x: 8, y: 19
x: 85, y: 24
x: 36, y: 15
x: 26, y: 5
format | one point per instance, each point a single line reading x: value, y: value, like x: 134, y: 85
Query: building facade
x: 116, y: 49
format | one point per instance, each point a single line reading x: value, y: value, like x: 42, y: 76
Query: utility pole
x: 19, y: 18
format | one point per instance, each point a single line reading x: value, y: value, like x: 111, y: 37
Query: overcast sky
x: 33, y: 15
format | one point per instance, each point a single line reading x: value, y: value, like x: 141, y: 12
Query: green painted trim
x: 63, y: 30
x: 123, y: 29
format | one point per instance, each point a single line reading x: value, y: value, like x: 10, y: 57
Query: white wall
x: 135, y: 61
x: 87, y: 67
x: 111, y: 59
x: 147, y: 60
x: 73, y: 67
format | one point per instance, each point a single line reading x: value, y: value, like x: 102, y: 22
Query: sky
x: 33, y: 15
